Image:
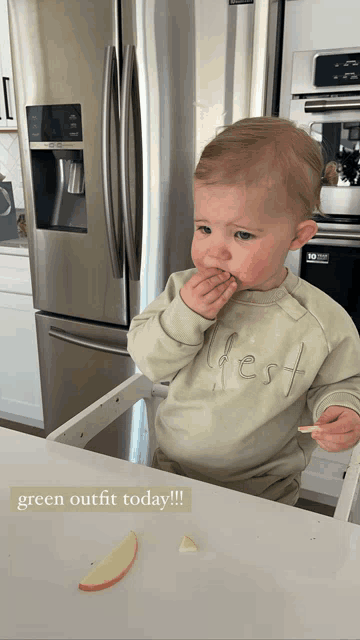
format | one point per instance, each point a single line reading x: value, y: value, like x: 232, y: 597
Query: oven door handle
x: 338, y: 235
x: 313, y: 106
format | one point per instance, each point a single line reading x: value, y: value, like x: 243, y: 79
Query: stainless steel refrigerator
x: 115, y: 101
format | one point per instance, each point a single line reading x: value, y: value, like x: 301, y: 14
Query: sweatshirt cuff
x: 183, y: 324
x: 341, y: 399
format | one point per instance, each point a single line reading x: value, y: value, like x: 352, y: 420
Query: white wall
x: 10, y: 165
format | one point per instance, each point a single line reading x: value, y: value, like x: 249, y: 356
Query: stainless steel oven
x: 325, y: 100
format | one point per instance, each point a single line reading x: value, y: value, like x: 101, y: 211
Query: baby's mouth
x: 237, y: 281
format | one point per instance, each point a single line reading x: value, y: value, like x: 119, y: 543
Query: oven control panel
x: 325, y: 71
x: 337, y: 70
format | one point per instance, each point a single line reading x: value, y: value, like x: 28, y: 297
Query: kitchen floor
x: 308, y: 505
x: 24, y: 428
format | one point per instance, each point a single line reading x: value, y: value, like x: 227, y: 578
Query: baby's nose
x: 219, y: 256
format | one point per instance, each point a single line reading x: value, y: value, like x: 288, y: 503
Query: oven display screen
x: 337, y: 70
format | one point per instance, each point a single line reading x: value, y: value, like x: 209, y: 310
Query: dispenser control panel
x: 52, y: 125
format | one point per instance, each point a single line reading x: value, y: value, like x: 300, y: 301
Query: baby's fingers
x: 207, y: 276
x: 223, y: 292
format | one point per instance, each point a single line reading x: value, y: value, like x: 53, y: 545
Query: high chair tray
x: 262, y: 570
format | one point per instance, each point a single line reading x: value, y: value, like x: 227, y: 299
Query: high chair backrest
x: 80, y: 429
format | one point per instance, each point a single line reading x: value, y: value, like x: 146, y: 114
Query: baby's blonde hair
x: 269, y: 150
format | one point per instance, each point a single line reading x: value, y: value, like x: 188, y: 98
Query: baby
x: 252, y: 352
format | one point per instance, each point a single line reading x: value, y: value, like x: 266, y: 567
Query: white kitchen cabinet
x: 7, y: 96
x: 20, y: 390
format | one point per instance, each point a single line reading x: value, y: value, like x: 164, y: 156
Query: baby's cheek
x: 256, y: 266
x: 196, y: 258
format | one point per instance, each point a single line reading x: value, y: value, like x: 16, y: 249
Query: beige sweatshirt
x: 243, y: 383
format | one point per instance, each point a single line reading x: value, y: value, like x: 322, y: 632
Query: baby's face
x: 244, y: 232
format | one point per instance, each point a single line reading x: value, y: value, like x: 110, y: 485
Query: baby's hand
x: 207, y: 292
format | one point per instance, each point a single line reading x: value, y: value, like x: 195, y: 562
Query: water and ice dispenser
x: 57, y: 161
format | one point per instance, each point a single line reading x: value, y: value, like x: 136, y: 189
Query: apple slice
x: 113, y: 567
x: 187, y: 544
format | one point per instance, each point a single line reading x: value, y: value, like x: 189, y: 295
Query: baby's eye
x: 250, y: 235
x: 199, y: 228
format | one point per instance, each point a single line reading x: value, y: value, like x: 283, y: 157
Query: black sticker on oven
x: 319, y: 258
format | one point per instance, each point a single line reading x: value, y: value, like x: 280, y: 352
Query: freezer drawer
x: 80, y: 362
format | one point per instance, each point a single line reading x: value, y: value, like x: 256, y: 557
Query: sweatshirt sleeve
x: 167, y: 335
x: 338, y: 379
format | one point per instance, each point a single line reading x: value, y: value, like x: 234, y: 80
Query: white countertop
x: 263, y: 569
x: 18, y: 247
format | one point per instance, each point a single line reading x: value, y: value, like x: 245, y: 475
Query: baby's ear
x: 304, y: 232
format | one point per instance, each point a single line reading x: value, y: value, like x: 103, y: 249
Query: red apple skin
x: 109, y: 583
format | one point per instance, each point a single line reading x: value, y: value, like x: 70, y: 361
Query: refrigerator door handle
x: 7, y: 98
x: 86, y: 342
x: 109, y: 69
x: 127, y: 75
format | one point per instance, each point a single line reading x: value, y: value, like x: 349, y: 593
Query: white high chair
x: 80, y: 429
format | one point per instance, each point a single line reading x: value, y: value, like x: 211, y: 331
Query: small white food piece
x: 307, y: 429
x: 187, y: 544
x: 113, y: 567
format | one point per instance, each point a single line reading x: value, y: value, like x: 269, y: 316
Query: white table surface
x: 263, y: 569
